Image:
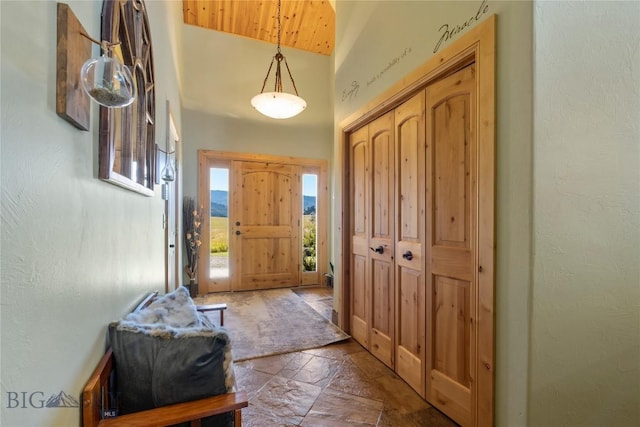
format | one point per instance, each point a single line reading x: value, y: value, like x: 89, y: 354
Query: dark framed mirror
x: 127, y: 149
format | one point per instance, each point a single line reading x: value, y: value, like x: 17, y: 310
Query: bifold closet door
x: 382, y: 238
x: 424, y: 285
x: 372, y: 241
x: 451, y: 243
x: 359, y: 187
x: 410, y: 226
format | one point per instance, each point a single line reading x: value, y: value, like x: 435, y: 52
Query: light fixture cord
x: 279, y: 27
x: 278, y: 85
x: 105, y: 46
x: 279, y: 57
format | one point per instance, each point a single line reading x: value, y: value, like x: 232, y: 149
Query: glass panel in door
x: 219, y: 223
x: 309, y: 223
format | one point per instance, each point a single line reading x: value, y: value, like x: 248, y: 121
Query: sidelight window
x: 309, y: 222
x: 219, y: 222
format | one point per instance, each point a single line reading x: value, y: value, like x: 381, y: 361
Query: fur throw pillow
x: 175, y: 309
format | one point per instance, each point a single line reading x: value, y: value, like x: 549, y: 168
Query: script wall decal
x: 395, y: 61
x: 448, y: 31
x: 352, y: 91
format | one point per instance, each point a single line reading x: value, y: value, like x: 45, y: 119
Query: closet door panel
x: 382, y: 238
x: 382, y: 313
x: 410, y: 336
x: 410, y: 280
x: 360, y: 289
x: 451, y: 230
x: 452, y: 329
x: 451, y: 167
x: 359, y: 298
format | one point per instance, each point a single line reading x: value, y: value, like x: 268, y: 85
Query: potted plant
x: 192, y: 222
x: 329, y: 276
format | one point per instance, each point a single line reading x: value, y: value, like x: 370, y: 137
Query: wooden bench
x: 213, y: 307
x: 99, y: 394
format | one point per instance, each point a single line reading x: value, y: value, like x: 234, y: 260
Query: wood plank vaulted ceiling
x: 306, y: 24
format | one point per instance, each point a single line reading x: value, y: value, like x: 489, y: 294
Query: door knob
x: 407, y: 255
x: 237, y: 222
x: 172, y: 245
x: 379, y: 249
x: 238, y: 232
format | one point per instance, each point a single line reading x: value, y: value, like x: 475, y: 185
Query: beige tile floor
x: 336, y: 385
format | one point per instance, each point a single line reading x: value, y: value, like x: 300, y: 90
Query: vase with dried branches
x: 192, y: 225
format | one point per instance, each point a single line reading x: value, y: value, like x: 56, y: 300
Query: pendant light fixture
x: 278, y: 104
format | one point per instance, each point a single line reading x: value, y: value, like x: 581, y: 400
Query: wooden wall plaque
x: 72, y: 50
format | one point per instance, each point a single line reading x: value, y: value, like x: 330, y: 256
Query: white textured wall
x: 76, y: 252
x: 378, y: 43
x: 585, y: 343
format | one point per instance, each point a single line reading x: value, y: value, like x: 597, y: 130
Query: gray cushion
x: 158, y: 366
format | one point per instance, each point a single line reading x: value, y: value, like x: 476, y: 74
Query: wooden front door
x: 410, y: 226
x: 265, y: 225
x: 452, y: 225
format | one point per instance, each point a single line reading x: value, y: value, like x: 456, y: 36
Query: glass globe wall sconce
x: 106, y: 79
x: 168, y: 172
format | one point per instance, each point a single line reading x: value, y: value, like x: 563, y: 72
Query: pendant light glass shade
x: 108, y: 82
x: 278, y: 105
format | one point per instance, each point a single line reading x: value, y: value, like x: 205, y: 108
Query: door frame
x: 172, y: 200
x: 476, y: 46
x: 208, y: 158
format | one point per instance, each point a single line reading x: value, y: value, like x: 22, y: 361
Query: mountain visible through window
x: 219, y: 223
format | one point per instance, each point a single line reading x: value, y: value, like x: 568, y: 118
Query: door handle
x: 238, y: 232
x: 172, y: 245
x: 379, y: 249
x: 237, y: 222
x: 407, y: 255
